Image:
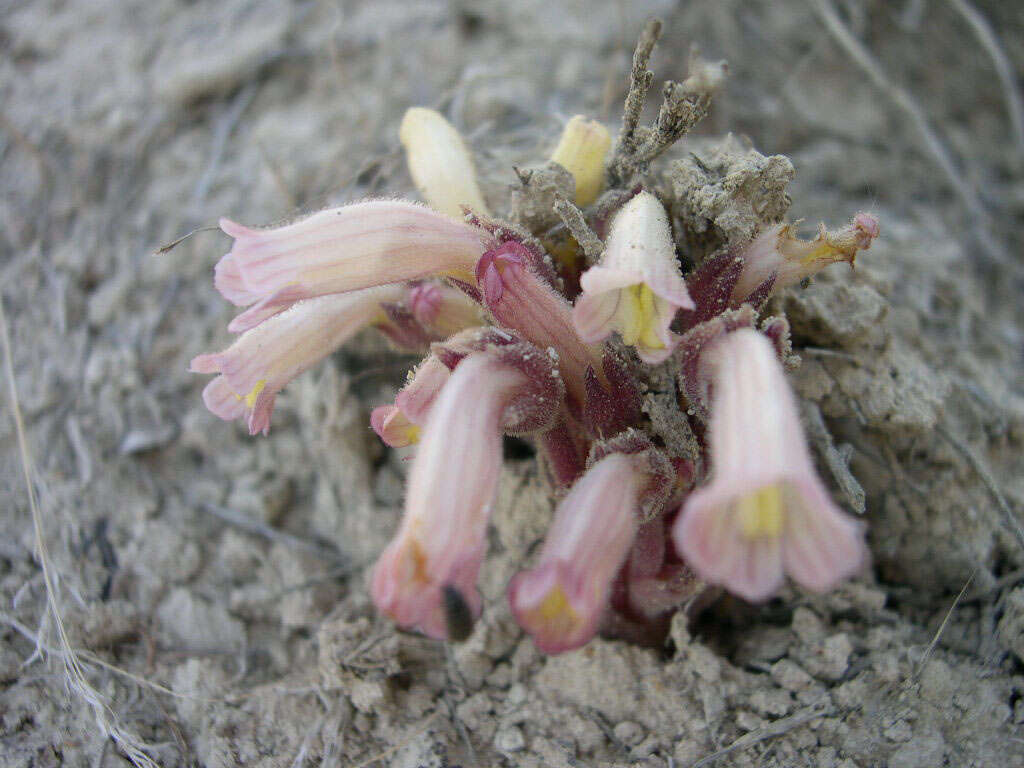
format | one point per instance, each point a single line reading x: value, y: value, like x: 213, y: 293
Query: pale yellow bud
x: 440, y: 163
x: 581, y: 151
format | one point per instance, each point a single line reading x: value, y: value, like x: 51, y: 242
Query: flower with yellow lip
x: 560, y: 602
x: 433, y: 561
x: 764, y: 512
x: 265, y: 358
x: 637, y: 288
x: 777, y: 258
x: 401, y: 423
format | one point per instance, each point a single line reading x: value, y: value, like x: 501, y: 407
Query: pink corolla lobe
x: 341, y: 249
x: 437, y: 552
x: 764, y: 512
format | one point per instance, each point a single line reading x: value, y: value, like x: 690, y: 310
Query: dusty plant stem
x: 573, y: 219
x: 640, y: 79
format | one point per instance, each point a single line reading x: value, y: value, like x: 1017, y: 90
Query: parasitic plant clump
x: 562, y: 321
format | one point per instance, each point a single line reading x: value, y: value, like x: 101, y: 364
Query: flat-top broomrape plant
x: 562, y: 351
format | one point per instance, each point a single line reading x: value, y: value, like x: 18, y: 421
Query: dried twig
x: 942, y: 627
x: 579, y: 229
x: 683, y: 106
x: 640, y: 79
x: 1011, y: 90
x: 902, y: 100
x: 834, y: 458
x: 90, y: 658
x: 990, y: 483
x: 74, y: 670
x: 770, y: 731
x: 222, y: 132
x: 258, y: 528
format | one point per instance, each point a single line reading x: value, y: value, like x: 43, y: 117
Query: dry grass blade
x: 770, y: 731
x: 74, y: 672
x: 1012, y: 522
x: 1004, y: 69
x: 942, y: 627
x: 932, y: 143
x: 175, y: 243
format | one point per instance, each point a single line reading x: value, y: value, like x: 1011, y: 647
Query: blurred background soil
x: 214, y: 584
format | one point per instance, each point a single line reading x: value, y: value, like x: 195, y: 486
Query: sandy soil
x: 214, y: 585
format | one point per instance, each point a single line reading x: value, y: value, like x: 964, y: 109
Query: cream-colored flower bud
x: 440, y: 163
x: 581, y: 151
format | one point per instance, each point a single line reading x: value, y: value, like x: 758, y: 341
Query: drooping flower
x: 339, y: 250
x: 777, y: 259
x: 432, y: 564
x: 561, y: 601
x: 400, y: 424
x: 637, y: 288
x: 264, y: 359
x: 440, y: 163
x: 764, y: 512
x: 581, y: 150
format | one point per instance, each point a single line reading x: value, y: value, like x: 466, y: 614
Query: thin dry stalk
x: 770, y: 731
x: 903, y: 101
x: 1011, y: 90
x: 942, y: 627
x: 74, y: 671
x: 577, y: 225
x: 1012, y: 522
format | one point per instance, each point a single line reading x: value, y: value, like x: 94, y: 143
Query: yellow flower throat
x: 638, y: 316
x: 761, y: 513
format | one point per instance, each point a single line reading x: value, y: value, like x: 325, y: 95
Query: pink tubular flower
x: 777, y: 259
x: 519, y: 298
x: 637, y: 288
x: 338, y: 250
x: 560, y: 602
x: 400, y: 424
x: 429, y: 571
x: 263, y: 360
x: 441, y: 309
x: 765, y: 511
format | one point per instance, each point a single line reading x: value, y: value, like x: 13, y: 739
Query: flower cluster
x: 640, y: 528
